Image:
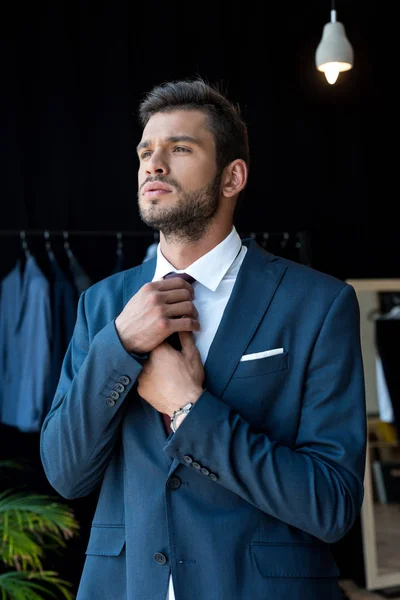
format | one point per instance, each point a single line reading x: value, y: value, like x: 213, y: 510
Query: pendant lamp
x: 334, y: 53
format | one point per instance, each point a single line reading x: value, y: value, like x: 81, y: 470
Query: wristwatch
x: 181, y: 411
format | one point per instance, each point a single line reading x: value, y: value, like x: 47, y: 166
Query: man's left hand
x: 170, y: 379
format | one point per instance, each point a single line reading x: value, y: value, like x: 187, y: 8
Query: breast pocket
x: 261, y: 366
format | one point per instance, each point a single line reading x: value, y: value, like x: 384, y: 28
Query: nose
x: 157, y: 164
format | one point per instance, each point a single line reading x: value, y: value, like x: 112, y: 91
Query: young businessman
x: 214, y: 394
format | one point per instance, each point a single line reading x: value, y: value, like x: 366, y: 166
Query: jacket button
x: 124, y: 380
x: 173, y: 483
x: 213, y: 477
x: 118, y: 387
x: 204, y: 471
x: 110, y: 401
x: 196, y: 466
x: 160, y: 558
x: 114, y: 395
x: 188, y: 459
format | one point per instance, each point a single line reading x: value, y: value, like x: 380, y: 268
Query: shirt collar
x: 210, y: 269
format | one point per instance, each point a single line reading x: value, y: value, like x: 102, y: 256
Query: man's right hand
x: 153, y: 314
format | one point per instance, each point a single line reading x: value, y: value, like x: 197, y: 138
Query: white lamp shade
x: 334, y: 47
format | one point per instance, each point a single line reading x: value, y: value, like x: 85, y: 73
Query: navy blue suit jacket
x: 265, y: 471
x: 25, y: 347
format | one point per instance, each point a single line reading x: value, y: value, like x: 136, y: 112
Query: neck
x: 182, y: 255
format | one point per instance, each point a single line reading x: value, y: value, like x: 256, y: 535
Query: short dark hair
x: 224, y: 118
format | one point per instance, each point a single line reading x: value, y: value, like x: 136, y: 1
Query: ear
x: 234, y: 178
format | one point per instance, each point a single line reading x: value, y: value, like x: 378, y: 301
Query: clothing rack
x: 278, y: 242
x: 128, y: 233
x: 66, y: 233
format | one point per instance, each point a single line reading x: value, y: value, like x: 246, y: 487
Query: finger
x: 174, y: 283
x: 184, y: 324
x: 181, y: 309
x: 189, y: 348
x: 177, y: 295
x: 187, y: 340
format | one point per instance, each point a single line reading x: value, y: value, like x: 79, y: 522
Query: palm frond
x: 29, y: 524
x: 11, y: 464
x: 27, y: 521
x: 16, y: 585
x: 21, y: 548
x: 38, y: 513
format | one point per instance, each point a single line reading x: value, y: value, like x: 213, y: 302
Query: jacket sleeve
x: 80, y: 431
x: 317, y: 485
x: 35, y: 361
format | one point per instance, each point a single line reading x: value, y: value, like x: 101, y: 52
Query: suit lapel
x: 259, y: 276
x: 258, y: 279
x: 135, y: 278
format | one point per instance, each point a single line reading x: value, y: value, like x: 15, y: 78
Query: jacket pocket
x: 106, y: 540
x: 261, y: 366
x: 293, y: 560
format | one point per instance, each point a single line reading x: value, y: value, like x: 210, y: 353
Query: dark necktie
x: 173, y: 339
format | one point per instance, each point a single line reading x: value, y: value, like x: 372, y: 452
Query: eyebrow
x: 173, y: 139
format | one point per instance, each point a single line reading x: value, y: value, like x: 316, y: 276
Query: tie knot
x: 184, y: 276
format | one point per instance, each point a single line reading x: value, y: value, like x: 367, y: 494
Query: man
x: 264, y: 465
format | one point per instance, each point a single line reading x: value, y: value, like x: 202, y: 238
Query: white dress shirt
x: 215, y: 274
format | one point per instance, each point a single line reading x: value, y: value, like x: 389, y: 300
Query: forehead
x: 179, y: 122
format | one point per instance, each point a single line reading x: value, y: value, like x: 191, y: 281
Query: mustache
x: 161, y: 179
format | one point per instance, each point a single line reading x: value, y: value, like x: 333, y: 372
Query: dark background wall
x: 73, y: 73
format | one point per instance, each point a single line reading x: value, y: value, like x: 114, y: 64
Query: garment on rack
x: 294, y: 246
x: 25, y: 339
x: 151, y: 251
x: 384, y: 400
x: 64, y: 303
x: 81, y: 278
x: 387, y: 335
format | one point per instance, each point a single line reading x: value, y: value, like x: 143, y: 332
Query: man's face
x: 179, y: 186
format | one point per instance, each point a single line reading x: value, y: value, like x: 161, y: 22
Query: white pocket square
x: 264, y: 354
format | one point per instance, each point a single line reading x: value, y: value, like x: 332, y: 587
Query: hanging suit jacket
x: 265, y: 471
x: 81, y: 279
x: 64, y: 300
x: 25, y: 341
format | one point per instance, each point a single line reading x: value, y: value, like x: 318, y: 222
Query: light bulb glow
x: 331, y: 72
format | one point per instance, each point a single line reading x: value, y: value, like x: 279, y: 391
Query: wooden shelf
x: 375, y: 285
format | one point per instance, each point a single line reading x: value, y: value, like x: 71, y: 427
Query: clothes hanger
x: 376, y: 315
x: 67, y: 248
x: 25, y: 247
x: 120, y: 246
x: 26, y: 252
x: 264, y: 243
x: 284, y: 240
x: 49, y: 249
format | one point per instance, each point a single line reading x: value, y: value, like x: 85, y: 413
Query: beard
x: 190, y: 217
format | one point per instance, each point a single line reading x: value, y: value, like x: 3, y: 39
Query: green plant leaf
x: 20, y: 586
x: 11, y: 464
x: 29, y: 523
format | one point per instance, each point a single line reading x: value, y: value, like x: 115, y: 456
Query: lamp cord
x: 333, y: 12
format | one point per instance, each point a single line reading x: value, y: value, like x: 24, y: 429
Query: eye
x: 181, y: 149
x: 144, y: 154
